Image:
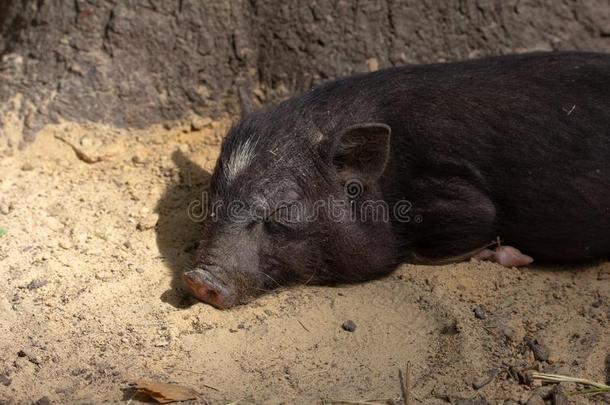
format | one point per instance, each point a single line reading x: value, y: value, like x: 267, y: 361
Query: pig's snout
x: 204, y: 286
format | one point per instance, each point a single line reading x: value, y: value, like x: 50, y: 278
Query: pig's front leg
x: 505, y: 255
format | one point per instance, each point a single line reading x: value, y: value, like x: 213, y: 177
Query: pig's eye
x: 282, y: 219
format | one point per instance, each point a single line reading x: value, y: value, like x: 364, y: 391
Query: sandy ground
x: 97, y: 234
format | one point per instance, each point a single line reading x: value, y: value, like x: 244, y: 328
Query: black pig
x: 422, y: 164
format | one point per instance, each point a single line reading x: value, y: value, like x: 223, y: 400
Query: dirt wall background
x: 135, y: 63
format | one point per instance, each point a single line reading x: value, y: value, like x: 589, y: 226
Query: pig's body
x: 516, y: 148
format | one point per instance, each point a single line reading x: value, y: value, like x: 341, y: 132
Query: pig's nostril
x: 197, y: 284
x: 208, y: 295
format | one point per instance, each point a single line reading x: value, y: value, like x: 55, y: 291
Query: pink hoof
x: 507, y: 256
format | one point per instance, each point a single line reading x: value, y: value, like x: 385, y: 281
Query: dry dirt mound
x: 97, y: 233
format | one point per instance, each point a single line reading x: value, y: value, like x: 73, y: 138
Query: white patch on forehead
x: 239, y: 159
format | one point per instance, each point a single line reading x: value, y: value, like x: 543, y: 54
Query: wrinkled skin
x: 480, y: 150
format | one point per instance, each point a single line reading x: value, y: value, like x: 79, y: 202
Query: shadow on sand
x: 178, y: 234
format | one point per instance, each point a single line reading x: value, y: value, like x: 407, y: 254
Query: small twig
x: 79, y: 153
x: 590, y: 391
x: 301, y: 323
x: 405, y: 383
x: 598, y: 388
x: 564, y: 378
x: 408, y: 383
x: 197, y: 372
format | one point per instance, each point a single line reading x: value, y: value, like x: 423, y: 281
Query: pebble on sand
x: 148, y: 222
x: 479, y: 313
x: 65, y: 244
x: 349, y: 326
x: 535, y: 400
x: 5, y: 207
x: 43, y: 401
x: 37, y: 283
x: 541, y: 353
x: 103, y: 276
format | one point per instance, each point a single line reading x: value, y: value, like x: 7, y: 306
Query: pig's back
x: 530, y: 132
x: 533, y: 134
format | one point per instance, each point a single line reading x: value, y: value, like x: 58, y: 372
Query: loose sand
x: 98, y: 233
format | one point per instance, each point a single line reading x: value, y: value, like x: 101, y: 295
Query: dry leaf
x: 165, y: 393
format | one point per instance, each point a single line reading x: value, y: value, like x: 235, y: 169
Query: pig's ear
x: 363, y: 149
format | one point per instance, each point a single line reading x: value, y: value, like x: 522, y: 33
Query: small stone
x: 37, y: 283
x: 535, y: 400
x: 540, y: 352
x: 103, y: 275
x: 372, y: 64
x: 43, y: 401
x: 349, y: 326
x: 161, y: 343
x: 140, y: 270
x: 198, y: 123
x: 544, y: 391
x: 5, y: 208
x: 4, y: 380
x: 558, y: 396
x: 127, y: 244
x: 479, y: 313
x: 450, y: 328
x: 137, y: 159
x: 482, y: 382
x: 65, y: 244
x: 29, y: 355
x: 184, y: 148
x: 76, y: 68
x: 148, y: 222
x: 27, y: 167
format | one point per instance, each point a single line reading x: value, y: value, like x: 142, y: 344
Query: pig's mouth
x: 204, y: 286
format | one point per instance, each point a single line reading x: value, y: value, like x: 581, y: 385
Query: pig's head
x: 290, y: 208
